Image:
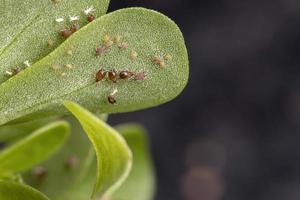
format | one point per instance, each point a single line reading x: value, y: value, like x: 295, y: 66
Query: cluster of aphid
x: 114, y: 76
x: 161, y: 60
x: 18, y: 69
x: 39, y: 173
x: 107, y: 42
x: 67, y: 32
x: 58, y: 69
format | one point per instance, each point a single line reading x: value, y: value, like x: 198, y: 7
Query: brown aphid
x: 50, y: 43
x: 162, y: 64
x: 90, y: 18
x: 100, y: 50
x: 39, y: 173
x: 100, y: 75
x: 113, y: 76
x: 111, y: 99
x: 140, y: 76
x: 74, y: 27
x: 66, y: 33
x: 125, y: 74
x: 123, y: 45
x: 71, y: 162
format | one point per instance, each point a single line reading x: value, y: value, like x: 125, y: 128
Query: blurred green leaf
x: 140, y: 185
x: 16, y: 191
x: 40, y: 90
x: 71, y: 173
x: 33, y: 149
x: 29, y: 30
x: 114, y: 158
x: 12, y: 133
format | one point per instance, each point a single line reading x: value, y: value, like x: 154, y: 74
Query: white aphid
x: 27, y: 63
x: 73, y: 18
x: 89, y: 10
x: 59, y: 20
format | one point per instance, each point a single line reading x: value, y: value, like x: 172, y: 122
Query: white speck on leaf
x: 60, y: 19
x: 73, y: 18
x: 89, y: 10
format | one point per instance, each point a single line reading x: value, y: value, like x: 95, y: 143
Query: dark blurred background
x: 234, y: 133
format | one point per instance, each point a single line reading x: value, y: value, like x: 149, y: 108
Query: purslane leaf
x: 145, y: 43
x: 140, y: 184
x: 71, y: 173
x: 14, y: 132
x: 30, y: 29
x: 33, y: 149
x: 15, y: 191
x: 114, y: 158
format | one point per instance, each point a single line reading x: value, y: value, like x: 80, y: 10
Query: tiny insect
x: 69, y: 66
x: 50, y: 43
x: 66, y: 33
x: 39, y: 173
x: 117, y: 39
x: 168, y: 57
x: 74, y: 27
x: 140, y: 76
x: 111, y: 99
x: 100, y: 50
x: 14, y: 71
x: 71, y: 162
x: 113, y: 76
x: 158, y: 60
x: 123, y: 45
x: 90, y: 18
x: 133, y: 55
x: 100, y: 75
x: 125, y: 74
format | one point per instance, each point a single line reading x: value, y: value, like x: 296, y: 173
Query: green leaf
x: 114, y: 158
x: 69, y: 180
x: 16, y: 191
x: 14, y: 132
x: 29, y: 30
x: 140, y: 185
x: 33, y: 149
x: 40, y: 90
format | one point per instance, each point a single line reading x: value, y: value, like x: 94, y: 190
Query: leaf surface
x: 114, y: 158
x: 40, y: 90
x: 29, y: 30
x: 16, y: 191
x: 33, y: 149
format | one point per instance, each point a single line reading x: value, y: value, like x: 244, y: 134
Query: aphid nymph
x: 39, y: 173
x: 90, y: 18
x: 100, y: 50
x: 140, y: 76
x: 113, y: 76
x: 66, y: 33
x: 123, y: 45
x: 100, y: 75
x: 74, y: 27
x: 125, y: 74
x: 133, y: 55
x: 71, y: 162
